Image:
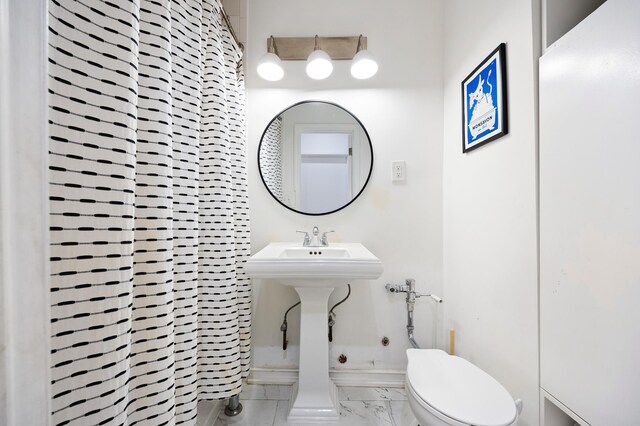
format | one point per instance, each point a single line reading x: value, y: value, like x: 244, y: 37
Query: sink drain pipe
x: 410, y: 289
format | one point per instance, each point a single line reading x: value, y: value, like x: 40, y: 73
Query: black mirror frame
x: 368, y: 140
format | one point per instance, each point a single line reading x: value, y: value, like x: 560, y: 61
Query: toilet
x: 445, y: 390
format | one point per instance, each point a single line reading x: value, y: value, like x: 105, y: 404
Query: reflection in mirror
x: 315, y: 157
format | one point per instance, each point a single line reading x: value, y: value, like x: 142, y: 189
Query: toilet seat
x: 452, y: 388
x: 425, y: 413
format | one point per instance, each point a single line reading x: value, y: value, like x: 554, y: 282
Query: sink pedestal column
x: 314, y: 398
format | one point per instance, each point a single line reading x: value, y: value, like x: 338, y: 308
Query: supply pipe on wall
x: 410, y: 289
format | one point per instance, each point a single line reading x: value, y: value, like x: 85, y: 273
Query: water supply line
x: 332, y: 315
x: 283, y: 327
x: 410, y: 289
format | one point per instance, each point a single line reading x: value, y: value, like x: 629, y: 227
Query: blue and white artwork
x: 483, y: 103
x: 482, y: 112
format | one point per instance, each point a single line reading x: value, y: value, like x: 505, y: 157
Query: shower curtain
x: 149, y: 217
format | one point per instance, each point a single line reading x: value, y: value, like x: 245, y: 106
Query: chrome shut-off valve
x: 410, y: 288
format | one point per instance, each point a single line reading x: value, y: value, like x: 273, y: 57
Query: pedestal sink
x: 314, y: 272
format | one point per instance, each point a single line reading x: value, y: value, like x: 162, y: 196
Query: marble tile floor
x: 267, y: 405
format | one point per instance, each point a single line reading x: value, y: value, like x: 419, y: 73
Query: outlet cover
x: 398, y: 171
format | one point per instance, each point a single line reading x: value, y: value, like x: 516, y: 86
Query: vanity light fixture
x: 270, y: 65
x: 319, y: 64
x: 363, y: 65
x: 319, y: 52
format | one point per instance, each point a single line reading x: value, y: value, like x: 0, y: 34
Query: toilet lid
x: 459, y: 389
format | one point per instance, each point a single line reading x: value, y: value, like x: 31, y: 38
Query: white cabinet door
x: 590, y: 217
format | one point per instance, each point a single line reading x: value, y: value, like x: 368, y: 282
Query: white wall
x: 489, y: 198
x: 24, y: 286
x: 590, y: 217
x: 401, y: 107
x: 236, y: 10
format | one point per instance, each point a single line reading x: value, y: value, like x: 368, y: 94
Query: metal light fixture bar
x: 299, y: 48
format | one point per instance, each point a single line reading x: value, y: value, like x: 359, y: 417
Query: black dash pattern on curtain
x: 148, y: 210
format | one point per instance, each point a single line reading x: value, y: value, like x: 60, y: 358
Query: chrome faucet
x: 316, y: 240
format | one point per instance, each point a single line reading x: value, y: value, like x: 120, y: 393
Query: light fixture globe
x: 270, y: 67
x: 364, y: 65
x: 319, y: 65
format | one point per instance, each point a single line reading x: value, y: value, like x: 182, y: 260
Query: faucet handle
x: 306, y: 240
x: 437, y: 299
x: 325, y: 241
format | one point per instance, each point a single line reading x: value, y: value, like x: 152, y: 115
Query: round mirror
x: 315, y: 157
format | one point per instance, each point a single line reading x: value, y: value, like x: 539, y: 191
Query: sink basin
x: 298, y: 266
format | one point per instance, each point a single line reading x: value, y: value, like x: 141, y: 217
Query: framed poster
x: 484, y: 101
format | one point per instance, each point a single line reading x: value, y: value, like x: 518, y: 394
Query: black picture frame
x: 485, y: 115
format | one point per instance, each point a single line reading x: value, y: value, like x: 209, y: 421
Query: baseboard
x: 208, y: 412
x: 272, y: 376
x: 369, y: 378
x: 341, y: 377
